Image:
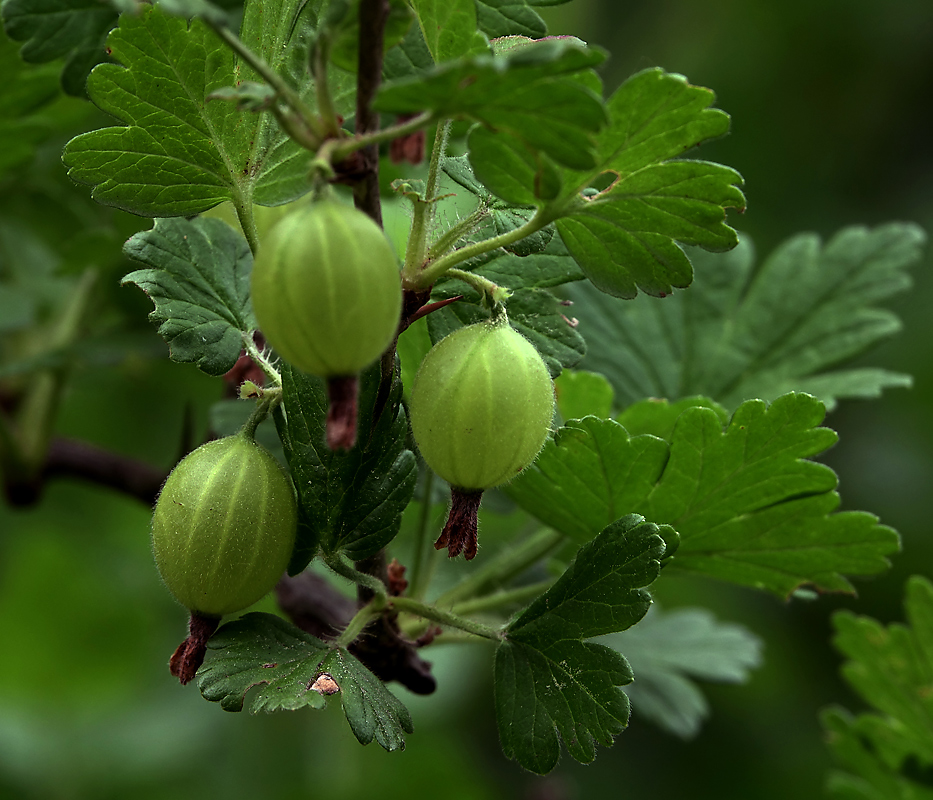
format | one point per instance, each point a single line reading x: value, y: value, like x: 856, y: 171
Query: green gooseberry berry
x: 224, y: 526
x: 481, y: 408
x: 326, y: 289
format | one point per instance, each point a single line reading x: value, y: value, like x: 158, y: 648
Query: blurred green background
x: 831, y: 109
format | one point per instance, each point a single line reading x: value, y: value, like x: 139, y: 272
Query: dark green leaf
x: 669, y: 651
x: 548, y: 681
x: 198, y: 278
x: 892, y: 669
x: 449, y: 26
x: 282, y: 663
x: 408, y: 58
x: 179, y: 154
x: 627, y: 238
x: 510, y: 170
x: 51, y: 29
x: 742, y: 332
x: 512, y: 17
x: 351, y: 502
x: 528, y: 92
x: 749, y: 506
x: 343, y: 19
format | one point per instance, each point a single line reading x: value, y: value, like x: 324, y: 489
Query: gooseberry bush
x: 570, y: 331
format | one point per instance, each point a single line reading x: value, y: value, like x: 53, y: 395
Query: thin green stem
x: 422, y: 562
x: 446, y: 619
x: 497, y: 293
x: 508, y: 597
x: 438, y: 268
x: 505, y: 567
x: 265, y: 405
x: 345, y: 147
x: 325, y: 104
x: 355, y: 626
x: 426, y: 210
x: 261, y: 358
x: 40, y: 404
x: 244, y: 213
x: 378, y: 588
x: 288, y: 95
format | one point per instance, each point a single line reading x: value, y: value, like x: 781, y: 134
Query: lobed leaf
x: 548, y: 682
x: 743, y: 332
x: 892, y: 669
x: 197, y: 275
x: 177, y: 154
x: 281, y: 663
x: 348, y: 502
x: 669, y: 652
x: 71, y: 29
x: 528, y: 93
x: 748, y: 504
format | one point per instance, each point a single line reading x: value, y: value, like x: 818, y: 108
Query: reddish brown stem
x: 341, y: 415
x: 190, y: 653
x: 461, y: 531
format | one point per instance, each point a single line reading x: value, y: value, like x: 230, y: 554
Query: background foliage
x: 827, y: 131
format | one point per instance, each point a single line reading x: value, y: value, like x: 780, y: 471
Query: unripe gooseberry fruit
x: 327, y: 295
x: 481, y: 408
x: 326, y: 289
x: 224, y: 526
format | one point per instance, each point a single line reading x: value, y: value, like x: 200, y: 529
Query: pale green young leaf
x: 550, y: 684
x: 71, y: 29
x: 749, y: 505
x: 197, y: 275
x: 529, y: 93
x: 581, y: 394
x: 743, y: 332
x: 892, y: 669
x: 177, y: 153
x: 670, y: 651
x: 281, y: 665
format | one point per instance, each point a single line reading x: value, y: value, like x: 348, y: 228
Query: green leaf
x: 658, y: 417
x: 748, y: 504
x: 71, y: 29
x: 512, y: 17
x: 197, y: 276
x: 639, y: 222
x: 529, y: 93
x: 548, y: 681
x: 349, y: 502
x: 581, y: 394
x: 179, y: 154
x: 746, y: 332
x: 669, y: 652
x: 409, y: 58
x: 25, y: 114
x: 282, y: 663
x: 892, y: 669
x: 448, y: 26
